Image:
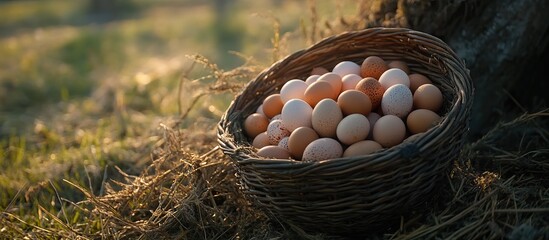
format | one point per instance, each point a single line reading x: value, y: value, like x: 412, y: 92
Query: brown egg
x: 373, y: 66
x: 299, y: 139
x: 334, y: 80
x: 364, y: 147
x: 352, y: 129
x: 275, y: 152
x: 255, y: 124
x: 373, y: 89
x: 261, y: 140
x: 417, y: 80
x: 317, y: 91
x: 319, y: 71
x: 428, y: 96
x: 421, y: 120
x: 311, y: 79
x: 389, y: 131
x: 326, y: 117
x: 272, y: 105
x: 400, y: 65
x: 354, y: 101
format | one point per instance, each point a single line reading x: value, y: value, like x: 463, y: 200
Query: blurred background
x: 86, y: 84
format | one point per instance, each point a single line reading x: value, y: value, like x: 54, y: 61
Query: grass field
x: 83, y: 92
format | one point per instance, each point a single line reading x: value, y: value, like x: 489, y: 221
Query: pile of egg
x: 352, y: 110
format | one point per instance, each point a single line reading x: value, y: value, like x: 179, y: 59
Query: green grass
x: 81, y: 94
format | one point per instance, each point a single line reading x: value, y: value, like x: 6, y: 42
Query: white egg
x: 292, y: 89
x: 346, y: 67
x: 397, y: 100
x: 296, y: 113
x: 394, y: 76
x: 353, y: 128
x: 349, y: 81
x: 311, y: 79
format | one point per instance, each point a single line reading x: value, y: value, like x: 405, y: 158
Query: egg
x: 421, y: 120
x: 397, y: 100
x: 417, y: 80
x: 275, y: 152
x: 272, y: 105
x: 326, y: 117
x: 317, y: 91
x: 296, y: 113
x: 277, y: 117
x: 261, y: 140
x: 394, y: 76
x: 334, y: 80
x: 311, y: 79
x: 400, y: 65
x: 373, y: 66
x: 353, y: 128
x: 299, y: 139
x: 255, y: 124
x: 354, y: 101
x: 260, y: 110
x: 372, y: 118
x: 284, y: 143
x: 428, y: 96
x: 322, y: 149
x: 364, y: 147
x: 319, y: 71
x: 349, y: 82
x: 276, y: 131
x: 373, y: 89
x: 389, y: 131
x: 346, y: 67
x: 293, y: 89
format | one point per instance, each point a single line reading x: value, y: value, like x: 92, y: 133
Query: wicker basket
x: 353, y: 194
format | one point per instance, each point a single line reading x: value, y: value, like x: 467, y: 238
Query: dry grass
x: 499, y: 187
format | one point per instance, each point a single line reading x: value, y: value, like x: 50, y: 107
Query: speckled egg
x: 322, y: 149
x: 373, y: 89
x: 276, y: 131
x: 397, y: 100
x: 373, y: 66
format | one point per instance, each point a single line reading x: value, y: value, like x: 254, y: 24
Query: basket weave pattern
x: 363, y: 192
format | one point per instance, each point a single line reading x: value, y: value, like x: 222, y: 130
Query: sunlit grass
x: 79, y: 97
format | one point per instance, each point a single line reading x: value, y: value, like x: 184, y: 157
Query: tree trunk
x: 505, y: 44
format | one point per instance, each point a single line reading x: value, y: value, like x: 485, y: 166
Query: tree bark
x: 505, y: 44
